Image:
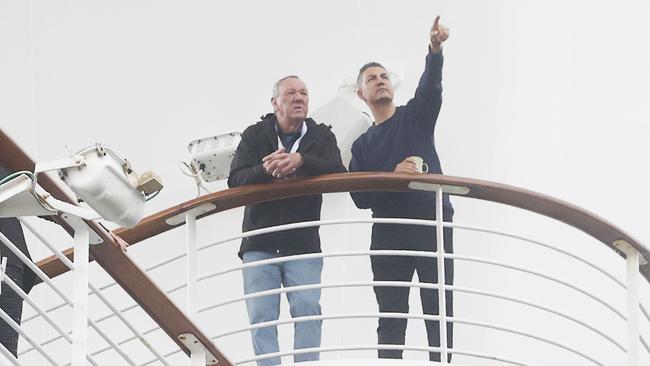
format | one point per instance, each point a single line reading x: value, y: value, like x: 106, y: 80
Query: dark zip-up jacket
x: 320, y: 155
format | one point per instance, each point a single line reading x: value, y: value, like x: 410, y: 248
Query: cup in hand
x: 420, y: 165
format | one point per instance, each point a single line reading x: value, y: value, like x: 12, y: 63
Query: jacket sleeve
x: 424, y: 107
x: 361, y: 199
x: 327, y: 160
x: 246, y: 167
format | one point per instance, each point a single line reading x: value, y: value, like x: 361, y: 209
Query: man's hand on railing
x: 271, y: 161
x: 280, y: 164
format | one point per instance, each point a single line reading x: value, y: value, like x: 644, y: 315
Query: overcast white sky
x: 546, y: 95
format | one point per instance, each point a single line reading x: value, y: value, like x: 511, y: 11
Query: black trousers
x: 395, y: 299
x: 12, y: 304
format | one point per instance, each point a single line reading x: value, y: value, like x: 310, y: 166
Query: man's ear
x: 274, y: 104
x: 360, y: 95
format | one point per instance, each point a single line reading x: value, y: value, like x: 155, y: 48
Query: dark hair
x: 366, y: 67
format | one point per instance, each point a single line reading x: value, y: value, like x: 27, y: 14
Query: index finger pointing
x: 435, y: 22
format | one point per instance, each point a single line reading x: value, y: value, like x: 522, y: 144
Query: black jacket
x: 320, y: 155
x: 12, y: 229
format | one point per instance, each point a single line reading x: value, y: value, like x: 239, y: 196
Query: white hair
x: 276, y: 86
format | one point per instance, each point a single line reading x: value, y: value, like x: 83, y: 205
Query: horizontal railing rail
x: 432, y: 255
x: 454, y: 288
x: 306, y: 224
x: 384, y: 347
x: 209, y: 204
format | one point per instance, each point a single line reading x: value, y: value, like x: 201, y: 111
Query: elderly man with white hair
x: 284, y: 144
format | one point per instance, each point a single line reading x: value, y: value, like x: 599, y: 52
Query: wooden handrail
x: 126, y: 273
x: 224, y: 200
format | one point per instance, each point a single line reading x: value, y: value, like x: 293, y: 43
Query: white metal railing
x: 421, y: 254
x: 635, y: 312
x: 8, y: 244
x: 382, y: 347
x: 306, y: 224
x: 408, y: 284
x: 95, y: 291
x: 67, y: 301
x: 391, y: 283
x: 388, y: 315
x: 634, y: 337
x: 240, y: 267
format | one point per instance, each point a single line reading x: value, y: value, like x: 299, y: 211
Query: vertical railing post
x: 442, y: 296
x: 197, y: 356
x: 3, y: 351
x: 80, y: 296
x: 633, y: 307
x: 633, y: 261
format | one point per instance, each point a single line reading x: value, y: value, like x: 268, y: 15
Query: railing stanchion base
x: 200, y: 356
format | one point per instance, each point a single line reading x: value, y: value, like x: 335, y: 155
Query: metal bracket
x: 196, y: 211
x: 64, y: 207
x: 126, y: 166
x: 18, y: 199
x: 76, y: 222
x: 194, y: 345
x: 433, y: 187
x: 101, y: 152
x: 626, y: 248
x: 74, y: 160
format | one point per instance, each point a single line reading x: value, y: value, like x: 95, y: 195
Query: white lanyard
x: 294, y: 148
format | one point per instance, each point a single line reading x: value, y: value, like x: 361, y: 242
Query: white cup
x: 420, y: 165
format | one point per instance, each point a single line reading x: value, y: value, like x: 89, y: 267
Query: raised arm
x: 425, y: 106
x: 438, y: 34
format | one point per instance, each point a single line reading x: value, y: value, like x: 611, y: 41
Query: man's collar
x: 298, y: 130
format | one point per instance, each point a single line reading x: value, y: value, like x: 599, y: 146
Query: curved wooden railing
x: 174, y: 322
x: 567, y: 213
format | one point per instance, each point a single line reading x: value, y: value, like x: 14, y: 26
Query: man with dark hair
x: 10, y: 302
x: 399, y: 137
x: 284, y: 144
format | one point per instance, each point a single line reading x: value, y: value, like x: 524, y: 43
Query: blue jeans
x: 267, y: 308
